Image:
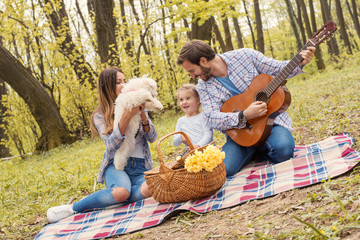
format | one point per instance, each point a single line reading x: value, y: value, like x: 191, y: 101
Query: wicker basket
x: 171, y: 182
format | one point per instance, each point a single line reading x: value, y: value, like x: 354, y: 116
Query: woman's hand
x: 142, y: 110
x: 255, y: 110
x: 128, y: 114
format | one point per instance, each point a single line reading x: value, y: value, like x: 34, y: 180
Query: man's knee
x: 120, y: 194
x: 282, y: 155
x: 145, y: 191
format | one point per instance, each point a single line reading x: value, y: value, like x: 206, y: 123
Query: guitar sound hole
x: 261, y: 96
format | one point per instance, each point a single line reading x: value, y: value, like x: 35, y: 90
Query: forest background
x: 51, y: 52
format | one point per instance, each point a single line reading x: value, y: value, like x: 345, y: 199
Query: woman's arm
x: 147, y: 128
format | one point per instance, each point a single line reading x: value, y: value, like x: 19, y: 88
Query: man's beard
x: 205, y: 73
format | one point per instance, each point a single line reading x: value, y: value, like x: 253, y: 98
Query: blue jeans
x: 278, y: 147
x: 131, y: 178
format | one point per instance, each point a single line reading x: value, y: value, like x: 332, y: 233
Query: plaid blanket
x: 312, y: 163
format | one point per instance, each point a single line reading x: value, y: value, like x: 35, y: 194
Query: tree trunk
x: 355, y: 17
x: 300, y: 22
x: 186, y: 25
x: 202, y: 32
x: 271, y: 48
x: 259, y: 30
x: 312, y: 16
x: 168, y: 57
x: 105, y: 25
x: 332, y: 44
x: 250, y: 25
x: 318, y: 58
x: 239, y: 37
x: 82, y: 18
x: 129, y: 44
x: 344, y: 34
x: 218, y: 35
x: 225, y: 22
x: 293, y: 24
x: 4, y: 138
x: 53, y: 129
x: 61, y: 30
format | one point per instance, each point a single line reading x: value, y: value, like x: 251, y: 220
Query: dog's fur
x: 134, y: 93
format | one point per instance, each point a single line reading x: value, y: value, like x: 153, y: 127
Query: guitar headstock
x: 325, y: 32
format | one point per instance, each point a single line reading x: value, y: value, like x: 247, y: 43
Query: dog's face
x: 152, y: 104
x: 143, y: 82
x: 139, y: 90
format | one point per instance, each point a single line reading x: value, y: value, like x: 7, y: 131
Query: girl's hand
x: 183, y: 140
x: 255, y: 110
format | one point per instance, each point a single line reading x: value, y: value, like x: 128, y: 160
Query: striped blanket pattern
x: 311, y: 164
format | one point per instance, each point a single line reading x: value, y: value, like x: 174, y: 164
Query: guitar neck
x: 286, y: 71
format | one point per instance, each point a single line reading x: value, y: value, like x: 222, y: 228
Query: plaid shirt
x: 243, y: 66
x: 114, y: 140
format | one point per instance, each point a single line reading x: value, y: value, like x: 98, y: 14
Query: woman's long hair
x: 106, y: 99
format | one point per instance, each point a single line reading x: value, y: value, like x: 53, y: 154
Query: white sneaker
x: 57, y: 213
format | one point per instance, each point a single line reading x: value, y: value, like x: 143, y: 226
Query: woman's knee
x: 145, y: 191
x: 120, y: 194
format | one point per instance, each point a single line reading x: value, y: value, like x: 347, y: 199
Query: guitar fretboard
x: 285, y: 72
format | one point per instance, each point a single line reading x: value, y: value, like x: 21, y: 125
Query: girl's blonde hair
x: 106, y: 100
x: 188, y: 86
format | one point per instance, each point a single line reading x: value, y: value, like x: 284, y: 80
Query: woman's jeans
x: 131, y: 178
x: 278, y: 147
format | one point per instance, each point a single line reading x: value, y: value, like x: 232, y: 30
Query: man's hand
x: 307, y: 55
x: 255, y: 110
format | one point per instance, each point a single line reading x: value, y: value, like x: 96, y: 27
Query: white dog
x: 134, y: 93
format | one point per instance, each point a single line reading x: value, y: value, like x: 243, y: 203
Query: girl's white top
x: 196, y: 128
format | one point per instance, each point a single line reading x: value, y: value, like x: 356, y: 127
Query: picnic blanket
x: 311, y: 164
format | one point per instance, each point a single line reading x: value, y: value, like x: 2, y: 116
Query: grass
x: 323, y: 104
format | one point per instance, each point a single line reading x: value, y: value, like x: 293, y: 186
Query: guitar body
x: 256, y: 133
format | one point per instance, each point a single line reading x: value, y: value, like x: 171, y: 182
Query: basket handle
x: 188, y: 141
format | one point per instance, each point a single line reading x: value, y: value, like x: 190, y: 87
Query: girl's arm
x: 177, y: 140
x: 114, y: 139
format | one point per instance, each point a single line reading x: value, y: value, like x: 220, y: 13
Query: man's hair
x: 194, y: 50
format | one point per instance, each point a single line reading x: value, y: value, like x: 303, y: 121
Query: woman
x: 122, y: 186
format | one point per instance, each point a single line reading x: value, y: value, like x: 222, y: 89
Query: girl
x: 121, y: 186
x: 193, y: 123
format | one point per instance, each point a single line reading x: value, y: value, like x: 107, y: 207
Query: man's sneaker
x: 55, y: 214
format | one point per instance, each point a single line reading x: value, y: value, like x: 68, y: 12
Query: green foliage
x: 326, y: 101
x: 321, y: 104
x: 27, y: 33
x: 29, y: 188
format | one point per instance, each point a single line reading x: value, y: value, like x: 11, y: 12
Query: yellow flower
x: 208, y: 159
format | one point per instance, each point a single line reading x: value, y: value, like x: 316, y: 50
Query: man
x: 225, y: 75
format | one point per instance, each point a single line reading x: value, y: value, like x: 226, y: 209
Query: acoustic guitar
x: 272, y: 91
